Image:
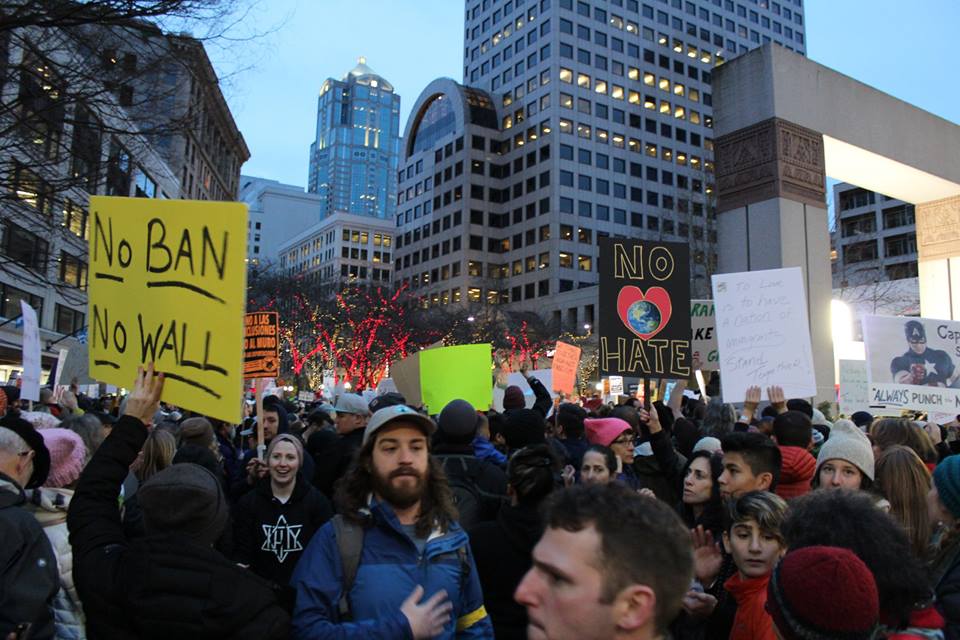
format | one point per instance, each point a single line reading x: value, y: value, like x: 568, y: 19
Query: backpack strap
x: 350, y: 545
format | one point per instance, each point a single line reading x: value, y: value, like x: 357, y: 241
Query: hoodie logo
x: 282, y: 539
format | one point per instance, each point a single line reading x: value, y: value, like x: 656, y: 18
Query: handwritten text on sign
x: 566, y: 359
x: 167, y: 285
x: 763, y: 333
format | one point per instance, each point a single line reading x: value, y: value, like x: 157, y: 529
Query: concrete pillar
x: 938, y: 246
x: 772, y: 213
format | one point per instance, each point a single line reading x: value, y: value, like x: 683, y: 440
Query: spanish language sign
x: 566, y: 359
x: 704, y: 327
x: 644, y: 294
x: 168, y: 285
x: 911, y: 363
x: 261, y: 345
x: 763, y: 333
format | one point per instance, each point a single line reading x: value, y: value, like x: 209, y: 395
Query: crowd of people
x: 687, y: 519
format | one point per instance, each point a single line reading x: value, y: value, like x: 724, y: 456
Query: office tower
x: 875, y: 238
x: 603, y: 128
x: 353, y: 159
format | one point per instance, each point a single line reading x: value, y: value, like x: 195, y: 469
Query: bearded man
x: 395, y: 563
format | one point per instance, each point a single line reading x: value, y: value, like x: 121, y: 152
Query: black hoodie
x: 503, y: 553
x: 270, y: 535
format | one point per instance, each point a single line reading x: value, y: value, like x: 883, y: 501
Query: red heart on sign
x: 657, y: 296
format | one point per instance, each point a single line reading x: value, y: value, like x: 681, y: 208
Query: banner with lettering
x: 644, y: 324
x: 168, y: 285
x: 704, y: 326
x: 763, y: 333
x: 912, y: 363
x: 261, y: 345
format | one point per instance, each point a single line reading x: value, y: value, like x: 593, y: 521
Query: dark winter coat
x: 503, y: 551
x: 28, y: 567
x: 662, y: 472
x: 159, y: 586
x: 490, y: 480
x: 270, y: 535
x: 945, y: 577
x: 332, y: 463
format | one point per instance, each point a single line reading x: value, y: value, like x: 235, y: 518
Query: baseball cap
x: 386, y: 400
x: 399, y: 413
x: 351, y: 403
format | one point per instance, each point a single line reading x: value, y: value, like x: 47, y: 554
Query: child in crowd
x: 754, y: 540
x: 751, y: 462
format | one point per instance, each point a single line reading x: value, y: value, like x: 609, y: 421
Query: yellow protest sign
x: 167, y: 284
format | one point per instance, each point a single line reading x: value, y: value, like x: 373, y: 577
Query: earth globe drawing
x: 643, y: 316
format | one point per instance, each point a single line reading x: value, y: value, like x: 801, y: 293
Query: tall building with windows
x: 353, y: 160
x: 875, y: 238
x: 603, y: 128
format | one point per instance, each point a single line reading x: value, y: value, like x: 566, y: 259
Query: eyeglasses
x: 623, y: 440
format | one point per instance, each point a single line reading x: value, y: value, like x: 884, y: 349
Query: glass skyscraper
x: 353, y: 160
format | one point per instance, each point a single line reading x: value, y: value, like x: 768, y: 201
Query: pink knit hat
x: 605, y: 430
x: 67, y: 454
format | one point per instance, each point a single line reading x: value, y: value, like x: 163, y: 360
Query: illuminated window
x: 474, y: 268
x: 695, y: 162
x: 602, y: 136
x: 583, y: 80
x: 566, y: 232
x: 566, y: 75
x: 507, y: 122
x: 601, y: 86
x: 664, y: 84
x: 455, y: 298
x: 583, y: 131
x: 566, y: 101
x: 679, y: 113
x: 677, y: 46
x: 634, y: 97
x: 566, y: 260
x: 678, y: 89
x: 649, y: 79
x: 694, y: 116
x: 633, y: 73
x: 566, y: 126
x: 616, y: 92
x: 617, y: 140
x: 681, y: 158
x: 584, y: 263
x: 473, y: 294
x: 634, y: 145
x: 691, y: 51
x: 666, y: 154
x: 649, y: 103
x: 651, y: 149
x: 665, y: 106
x: 616, y: 21
x: 694, y: 95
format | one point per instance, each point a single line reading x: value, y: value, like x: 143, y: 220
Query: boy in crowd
x: 754, y: 540
x: 751, y: 462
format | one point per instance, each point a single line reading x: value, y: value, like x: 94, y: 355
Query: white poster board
x: 61, y: 360
x: 854, y: 387
x: 616, y: 385
x: 912, y: 363
x: 704, y: 327
x: 516, y: 378
x: 763, y: 333
x: 30, y: 386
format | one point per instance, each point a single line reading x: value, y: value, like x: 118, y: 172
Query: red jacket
x: 752, y: 621
x: 796, y: 472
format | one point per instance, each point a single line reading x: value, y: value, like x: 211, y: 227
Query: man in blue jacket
x: 413, y: 573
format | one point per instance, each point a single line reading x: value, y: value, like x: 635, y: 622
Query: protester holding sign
x: 171, y: 583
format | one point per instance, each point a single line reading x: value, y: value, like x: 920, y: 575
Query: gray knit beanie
x: 847, y: 442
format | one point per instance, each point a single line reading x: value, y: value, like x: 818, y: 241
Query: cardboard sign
x: 76, y: 366
x: 434, y: 377
x: 61, y: 360
x: 704, y: 327
x: 306, y: 396
x: 644, y: 294
x: 30, y: 382
x: 566, y: 359
x: 912, y: 363
x: 763, y: 333
x: 168, y: 285
x: 261, y: 345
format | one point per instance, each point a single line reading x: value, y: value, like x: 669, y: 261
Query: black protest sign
x: 644, y: 304
x: 261, y: 345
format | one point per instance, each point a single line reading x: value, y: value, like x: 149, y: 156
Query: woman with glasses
x: 618, y: 435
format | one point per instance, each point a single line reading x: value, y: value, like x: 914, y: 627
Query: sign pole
x: 258, y: 395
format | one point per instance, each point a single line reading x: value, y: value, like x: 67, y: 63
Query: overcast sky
x: 898, y: 47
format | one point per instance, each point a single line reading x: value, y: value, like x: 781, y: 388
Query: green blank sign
x: 461, y: 372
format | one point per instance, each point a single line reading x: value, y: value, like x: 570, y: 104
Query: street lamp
x: 470, y: 318
x: 587, y: 327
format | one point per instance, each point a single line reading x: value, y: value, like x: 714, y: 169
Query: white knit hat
x: 847, y: 442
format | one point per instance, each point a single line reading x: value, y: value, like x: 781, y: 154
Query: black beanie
x: 185, y: 499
